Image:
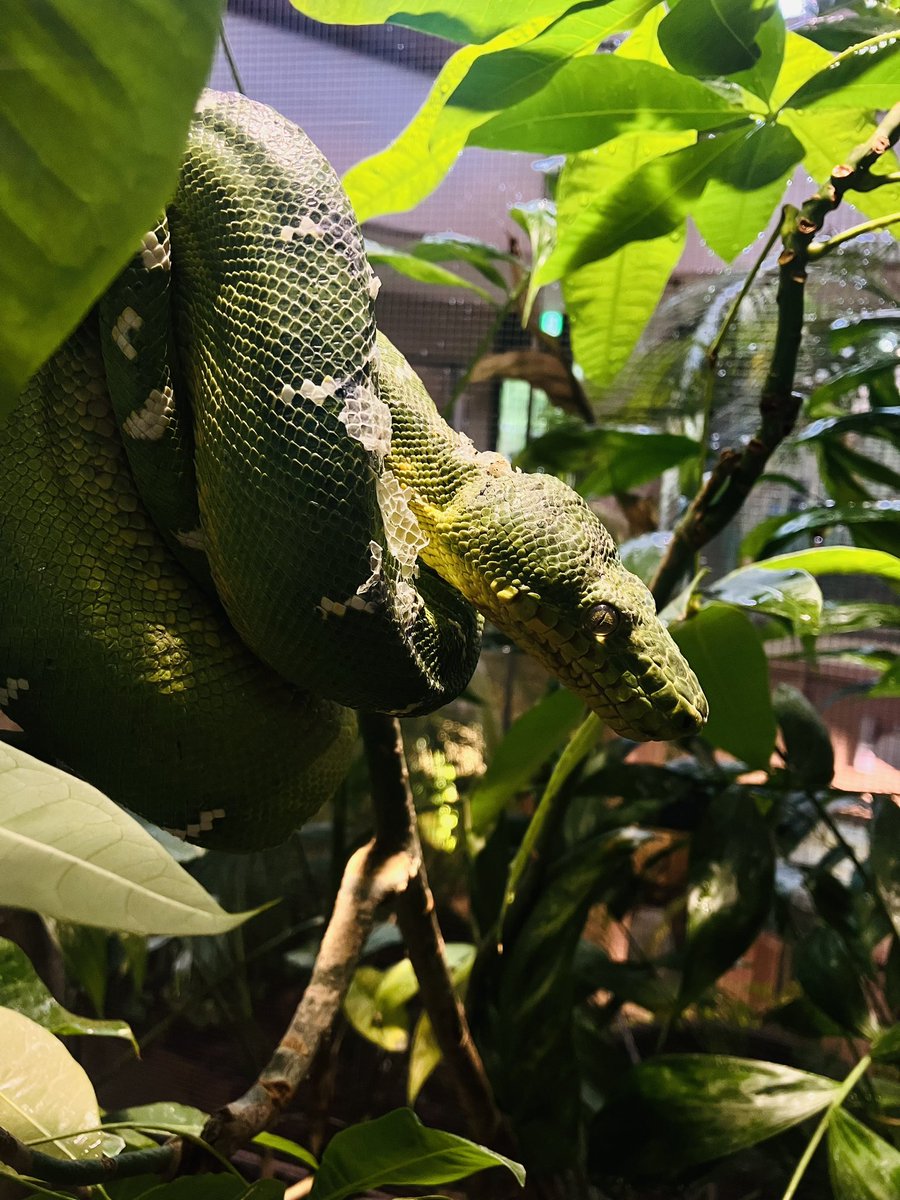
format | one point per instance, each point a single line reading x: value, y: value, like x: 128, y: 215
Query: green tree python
x: 230, y: 514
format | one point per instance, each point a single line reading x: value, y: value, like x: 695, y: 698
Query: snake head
x: 528, y: 553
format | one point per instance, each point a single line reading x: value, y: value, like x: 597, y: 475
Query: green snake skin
x: 229, y: 513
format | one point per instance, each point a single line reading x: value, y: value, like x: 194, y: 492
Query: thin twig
x: 230, y: 59
x: 817, y: 249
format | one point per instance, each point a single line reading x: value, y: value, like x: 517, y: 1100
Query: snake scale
x: 230, y: 513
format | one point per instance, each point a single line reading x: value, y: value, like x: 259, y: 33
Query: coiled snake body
x: 229, y: 512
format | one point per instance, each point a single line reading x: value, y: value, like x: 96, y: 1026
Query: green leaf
x: 837, y: 560
x: 681, y: 1109
x: 876, y: 422
x: 50, y: 1096
x: 863, y: 76
x: 419, y: 269
x: 538, y: 219
x: 830, y: 976
x: 95, y: 106
x: 858, y: 616
x: 22, y: 990
x: 807, y: 742
x: 457, y: 247
x: 610, y: 301
x: 722, y: 647
x: 396, y: 1150
x: 607, y: 460
x: 654, y: 200
x: 884, y: 857
x: 474, y: 84
x: 287, y: 1148
x: 462, y: 21
x: 761, y: 78
x: 889, y: 683
x: 380, y: 1021
x: 802, y: 60
x: 886, y: 1046
x: 732, y: 211
x: 67, y: 851
x: 730, y: 881
x: 529, y: 742
x: 424, y: 1052
x: 862, y: 1166
x: 713, y: 37
x: 776, y: 532
x: 791, y: 594
x: 165, y: 1115
x: 592, y: 100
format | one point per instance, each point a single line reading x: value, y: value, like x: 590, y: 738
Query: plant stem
x: 230, y: 59
x: 86, y: 1171
x: 839, y: 1097
x: 817, y: 249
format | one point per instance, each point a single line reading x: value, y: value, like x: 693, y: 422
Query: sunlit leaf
x: 802, y: 59
x: 791, y: 594
x: 761, y: 78
x: 837, y: 560
x: 414, y: 267
x: 95, y: 107
x: 864, y: 76
x: 424, y: 1052
x: 382, y: 1022
x: 463, y: 21
x: 714, y: 37
x: 69, y: 852
x: 862, y: 1165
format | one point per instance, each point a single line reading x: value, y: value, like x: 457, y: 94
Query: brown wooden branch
x: 734, y: 475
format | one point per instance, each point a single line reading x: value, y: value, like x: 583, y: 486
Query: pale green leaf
x: 837, y: 560
x: 862, y: 1165
x: 802, y: 60
x: 23, y: 990
x: 863, y: 76
x: 44, y: 1092
x: 643, y: 41
x: 421, y: 270
x: 288, y: 1148
x: 789, y: 593
x: 382, y: 1023
x: 591, y: 100
x: 462, y: 21
x: 68, y: 852
x: 94, y: 107
x: 760, y: 79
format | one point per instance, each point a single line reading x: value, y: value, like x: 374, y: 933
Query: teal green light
x: 551, y: 322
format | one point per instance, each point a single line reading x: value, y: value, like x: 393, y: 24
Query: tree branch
x: 82, y: 1172
x: 817, y: 249
x: 734, y: 475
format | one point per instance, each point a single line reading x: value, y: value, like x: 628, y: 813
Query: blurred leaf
x: 610, y: 301
x: 802, y: 59
x: 889, y: 683
x: 849, y: 24
x: 830, y: 976
x: 875, y: 422
x: 457, y: 247
x: 655, y: 199
x: 396, y: 1150
x: 791, y: 594
x: 722, y: 647
x: 884, y: 856
x: 44, y: 1092
x: 886, y: 1046
x: 528, y: 744
x: 807, y: 742
x: 83, y: 87
x: 463, y: 21
x: 677, y: 1110
x: 419, y: 269
x: 642, y: 555
x: 642, y: 983
x: 862, y: 1166
x: 163, y: 1115
x: 857, y: 616
x: 22, y: 990
x: 380, y: 1021
x: 85, y: 952
x: 837, y: 560
x: 284, y: 1146
x: 607, y: 460
x: 424, y: 1052
x: 537, y: 367
x: 538, y: 219
x: 731, y: 875
x: 776, y: 532
x: 714, y: 37
x: 861, y: 76
x: 591, y: 100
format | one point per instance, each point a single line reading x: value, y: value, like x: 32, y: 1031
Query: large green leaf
x: 722, y: 647
x: 731, y: 877
x: 462, y: 21
x: 610, y: 301
x: 457, y: 247
x: 655, y: 199
x: 591, y: 100
x: 808, y: 751
x: 837, y: 560
x: 44, y: 1092
x: 67, y: 851
x: 875, y: 422
x: 802, y: 59
x: 760, y: 79
x: 830, y: 976
x: 527, y: 745
x: 677, y: 1110
x: 731, y: 212
x: 22, y: 990
x: 863, y: 76
x: 776, y: 532
x: 791, y: 594
x: 94, y: 109
x: 714, y: 37
x: 862, y: 1165
x: 398, y: 1150
x: 414, y: 267
x: 475, y: 83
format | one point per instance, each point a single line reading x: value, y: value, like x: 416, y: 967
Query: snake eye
x: 604, y: 619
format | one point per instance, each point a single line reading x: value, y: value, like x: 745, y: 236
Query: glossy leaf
x: 730, y: 881
x: 858, y: 616
x: 594, y: 99
x: 863, y: 76
x: 722, y: 647
x: 396, y: 1150
x: 791, y: 594
x: 606, y: 460
x: 287, y: 1148
x: 529, y: 742
x: 456, y: 247
x: 807, y: 743
x: 463, y: 21
x: 538, y: 219
x: 95, y: 114
x: 713, y: 37
x: 165, y: 1115
x: 761, y: 79
x: 776, y: 532
x: 421, y: 270
x: 830, y: 976
x: 875, y: 422
x: 22, y: 990
x: 51, y: 1097
x: 610, y: 301
x: 69, y: 852
x: 884, y: 856
x: 837, y: 560
x: 862, y: 1165
x: 678, y: 1110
